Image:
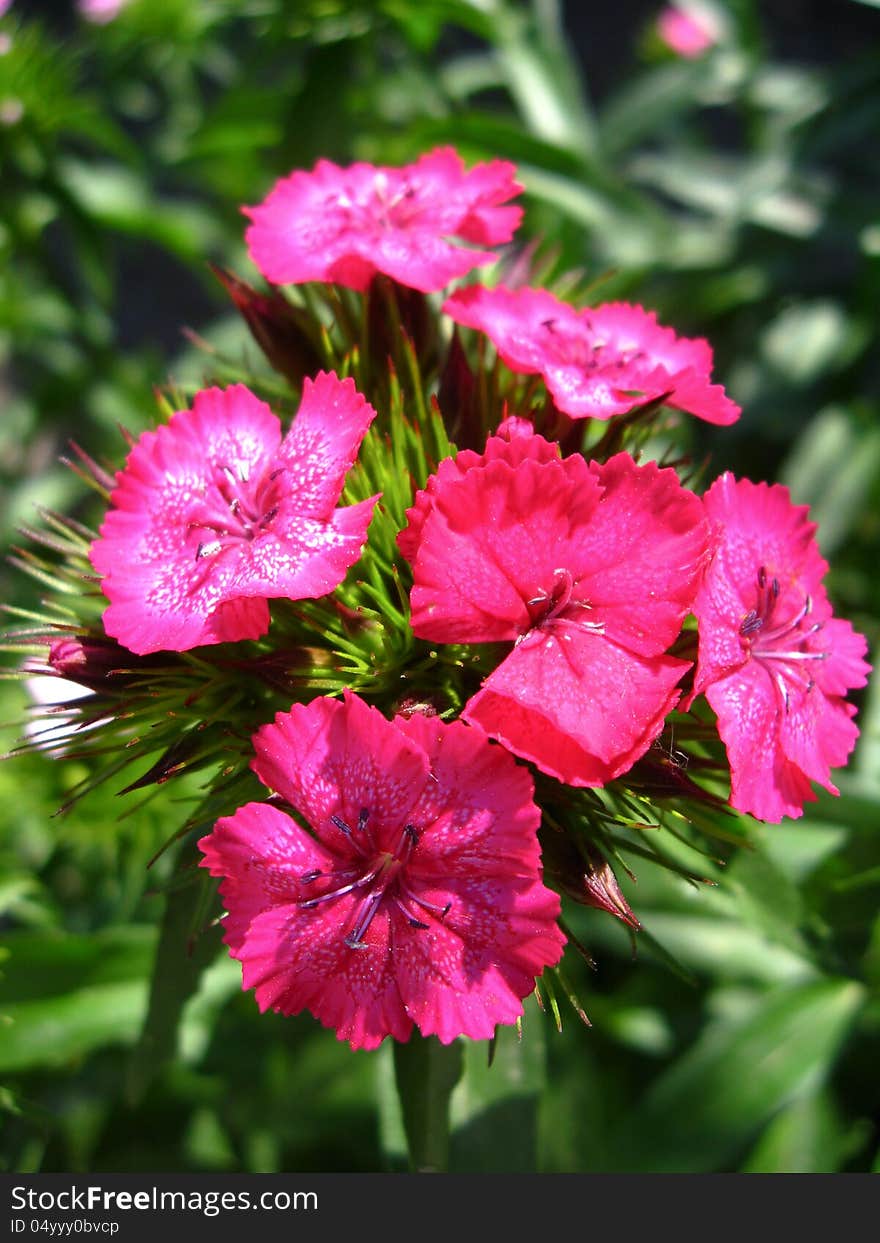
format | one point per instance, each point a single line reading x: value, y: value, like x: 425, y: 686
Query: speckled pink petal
x: 759, y: 525
x: 335, y: 757
x: 422, y: 261
x: 845, y: 669
x: 296, y: 960
x: 322, y: 444
x: 515, y: 321
x: 476, y: 815
x: 211, y: 517
x: 773, y: 661
x: 160, y: 612
x: 470, y: 971
x: 419, y: 897
x: 263, y: 854
x: 598, y: 362
x: 584, y: 395
x: 764, y: 782
x: 646, y: 548
x: 304, y: 558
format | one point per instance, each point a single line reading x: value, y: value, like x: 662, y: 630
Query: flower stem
x: 426, y: 1071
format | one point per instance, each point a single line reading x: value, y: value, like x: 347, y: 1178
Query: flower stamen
x: 384, y: 877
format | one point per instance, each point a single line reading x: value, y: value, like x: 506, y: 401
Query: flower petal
x: 600, y: 361
x: 322, y: 444
x: 336, y: 758
x: 296, y: 960
x: 476, y: 814
x: 493, y: 542
x: 263, y: 855
x: 469, y: 972
x: 576, y: 704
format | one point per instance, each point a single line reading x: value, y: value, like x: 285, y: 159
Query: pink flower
x: 684, y: 34
x: 513, y: 442
x: 346, y: 224
x: 100, y: 11
x: 215, y: 513
x: 597, y: 362
x: 773, y: 661
x: 588, y: 570
x: 416, y: 897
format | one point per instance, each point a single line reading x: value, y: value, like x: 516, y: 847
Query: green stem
x: 426, y: 1071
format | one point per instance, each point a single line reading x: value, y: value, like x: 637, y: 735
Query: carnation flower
x: 416, y: 895
x: 774, y: 663
x: 345, y: 224
x: 215, y: 513
x: 597, y: 362
x: 589, y: 571
x: 513, y: 443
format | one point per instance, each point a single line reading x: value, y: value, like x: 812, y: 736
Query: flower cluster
x: 432, y: 658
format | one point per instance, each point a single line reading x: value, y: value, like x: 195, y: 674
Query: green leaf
x: 542, y: 78
x: 66, y: 995
x: 55, y: 1031
x: 724, y: 948
x: 808, y: 339
x: 708, y: 1105
x: 807, y: 1137
x: 766, y: 899
x: 117, y: 198
x: 44, y: 964
x: 646, y: 103
x: 832, y: 469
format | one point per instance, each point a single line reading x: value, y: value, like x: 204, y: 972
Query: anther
x: 411, y: 919
x: 750, y: 623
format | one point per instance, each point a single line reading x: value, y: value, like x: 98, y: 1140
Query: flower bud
x: 284, y: 332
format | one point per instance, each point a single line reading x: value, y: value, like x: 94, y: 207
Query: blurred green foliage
x: 735, y: 193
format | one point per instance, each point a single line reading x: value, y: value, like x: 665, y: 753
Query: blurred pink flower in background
x: 100, y: 12
x: 687, y: 32
x: 597, y: 362
x: 345, y: 224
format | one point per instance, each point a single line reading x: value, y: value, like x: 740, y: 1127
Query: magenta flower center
x: 234, y: 510
x: 379, y: 205
x: 582, y: 350
x: 781, y: 637
x: 559, y: 602
x: 378, y: 877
